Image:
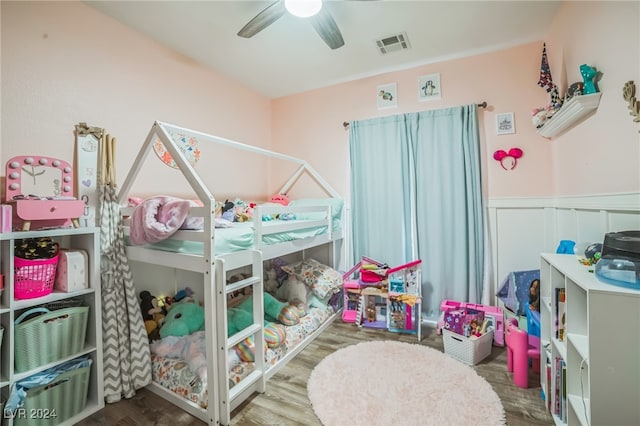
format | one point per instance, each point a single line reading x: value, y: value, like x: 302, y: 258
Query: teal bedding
x: 237, y: 238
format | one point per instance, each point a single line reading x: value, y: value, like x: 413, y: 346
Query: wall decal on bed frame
x: 188, y: 146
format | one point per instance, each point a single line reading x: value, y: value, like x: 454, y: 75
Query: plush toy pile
x: 290, y: 291
x: 187, y: 316
x: 235, y: 211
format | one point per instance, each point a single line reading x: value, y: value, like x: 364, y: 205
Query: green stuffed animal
x: 182, y: 319
x: 187, y: 317
x: 241, y: 316
x: 276, y: 315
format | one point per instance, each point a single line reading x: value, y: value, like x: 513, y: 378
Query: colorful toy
x: 351, y: 299
x: 588, y: 76
x: 280, y: 199
x: 152, y: 315
x: 520, y: 348
x: 243, y: 211
x: 493, y: 314
x: 241, y: 316
x: 539, y: 117
x: 403, y: 315
x: 183, y: 319
x: 225, y: 210
x: 186, y: 292
x: 515, y: 290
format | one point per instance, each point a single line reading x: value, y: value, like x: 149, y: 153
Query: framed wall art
x: 505, y: 123
x: 387, y: 95
x: 429, y: 88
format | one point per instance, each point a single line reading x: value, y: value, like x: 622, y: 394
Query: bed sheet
x: 239, y: 237
x: 175, y: 374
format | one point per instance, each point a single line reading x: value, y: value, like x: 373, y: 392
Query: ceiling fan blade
x: 262, y: 20
x: 327, y: 28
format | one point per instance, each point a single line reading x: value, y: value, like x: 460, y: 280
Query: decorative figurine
x: 588, y: 75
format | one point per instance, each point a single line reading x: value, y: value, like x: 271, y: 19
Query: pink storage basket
x: 33, y: 277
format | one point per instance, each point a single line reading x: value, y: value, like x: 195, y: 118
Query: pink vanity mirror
x: 41, y: 191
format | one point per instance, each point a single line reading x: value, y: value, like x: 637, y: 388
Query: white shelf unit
x: 573, y: 112
x: 601, y: 348
x: 87, y: 239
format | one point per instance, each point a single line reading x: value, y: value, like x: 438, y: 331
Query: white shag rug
x: 394, y: 383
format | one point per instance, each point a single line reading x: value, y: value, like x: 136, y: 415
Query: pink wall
x: 602, y: 154
x: 310, y: 124
x: 582, y: 161
x: 65, y: 63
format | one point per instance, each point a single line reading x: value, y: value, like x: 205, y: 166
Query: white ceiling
x: 289, y: 57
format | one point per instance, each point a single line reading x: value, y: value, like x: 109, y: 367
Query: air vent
x: 393, y: 43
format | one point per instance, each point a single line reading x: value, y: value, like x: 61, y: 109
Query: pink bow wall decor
x: 508, y: 160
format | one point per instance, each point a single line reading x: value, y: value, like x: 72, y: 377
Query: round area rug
x: 394, y: 383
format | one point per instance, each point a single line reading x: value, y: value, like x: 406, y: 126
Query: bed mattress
x: 238, y: 237
x: 177, y: 375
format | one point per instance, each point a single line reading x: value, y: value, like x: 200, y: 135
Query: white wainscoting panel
x: 522, y: 228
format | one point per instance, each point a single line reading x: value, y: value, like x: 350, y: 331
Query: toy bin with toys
x: 470, y: 350
x: 492, y: 314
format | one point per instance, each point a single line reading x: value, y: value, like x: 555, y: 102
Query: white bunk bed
x: 321, y: 235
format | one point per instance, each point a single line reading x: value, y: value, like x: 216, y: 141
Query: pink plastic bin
x: 33, y: 277
x: 491, y: 312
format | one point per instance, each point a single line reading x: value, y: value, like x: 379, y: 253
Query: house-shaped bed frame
x: 214, y: 267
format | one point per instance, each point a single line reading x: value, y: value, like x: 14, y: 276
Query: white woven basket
x: 470, y: 351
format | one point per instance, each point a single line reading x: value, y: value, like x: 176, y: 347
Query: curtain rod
x: 483, y: 104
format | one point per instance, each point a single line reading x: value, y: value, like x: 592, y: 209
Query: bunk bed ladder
x: 255, y: 381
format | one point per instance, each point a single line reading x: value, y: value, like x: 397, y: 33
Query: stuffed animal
x: 185, y: 293
x: 183, y: 319
x: 271, y: 283
x: 294, y: 292
x: 539, y: 117
x: 225, y: 210
x: 280, y: 199
x: 243, y: 211
x: 276, y: 314
x: 241, y: 316
x: 152, y: 314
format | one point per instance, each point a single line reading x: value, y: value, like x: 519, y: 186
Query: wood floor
x: 285, y: 401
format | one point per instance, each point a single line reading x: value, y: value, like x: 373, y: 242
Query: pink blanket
x: 157, y: 218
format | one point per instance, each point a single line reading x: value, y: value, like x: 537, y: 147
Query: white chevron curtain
x: 127, y: 361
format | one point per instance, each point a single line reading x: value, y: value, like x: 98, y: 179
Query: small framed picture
x: 505, y: 123
x: 429, y: 87
x: 387, y: 96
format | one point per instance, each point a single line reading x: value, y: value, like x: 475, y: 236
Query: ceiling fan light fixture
x: 303, y: 8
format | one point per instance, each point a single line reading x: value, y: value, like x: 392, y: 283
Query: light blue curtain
x: 416, y: 193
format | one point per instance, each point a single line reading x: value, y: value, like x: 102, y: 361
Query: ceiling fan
x: 320, y: 18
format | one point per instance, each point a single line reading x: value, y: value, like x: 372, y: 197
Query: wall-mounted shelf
x: 571, y: 113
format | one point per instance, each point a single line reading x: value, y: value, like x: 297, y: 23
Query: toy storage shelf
x: 87, y: 239
x: 599, y: 348
x: 570, y: 114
